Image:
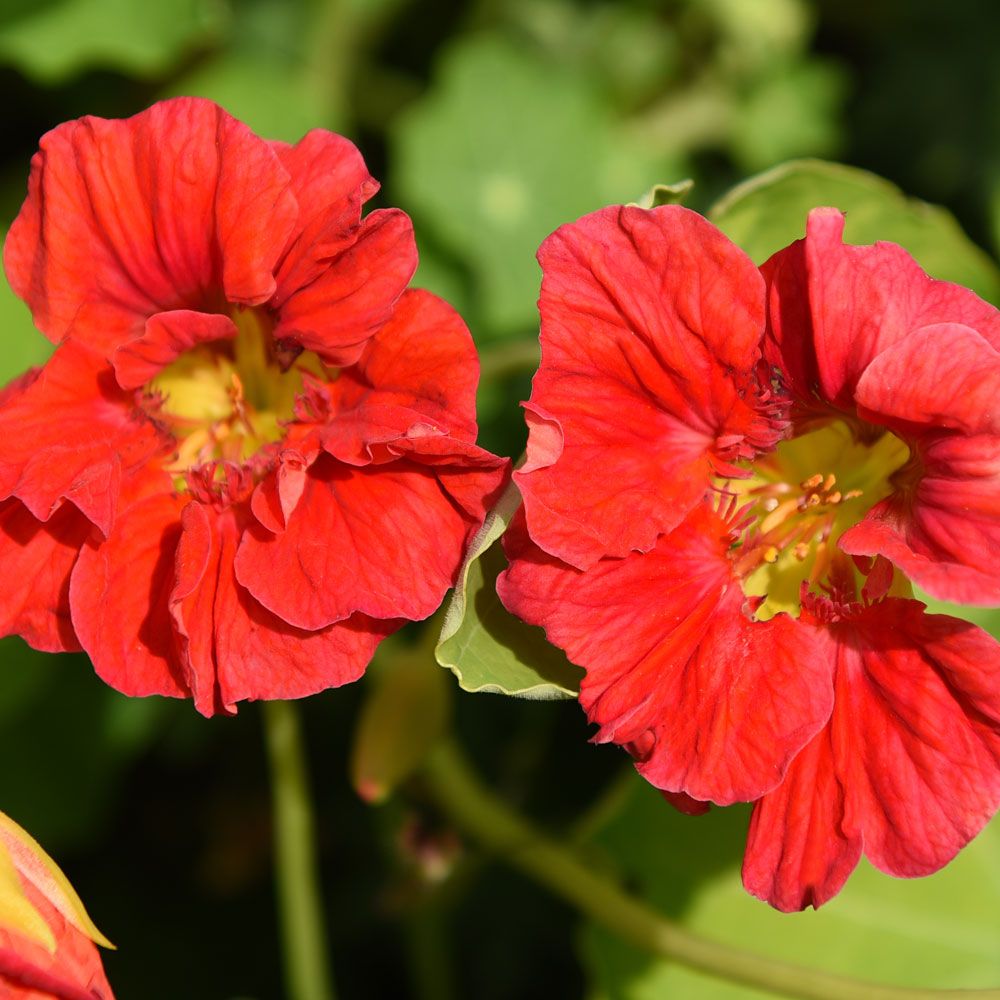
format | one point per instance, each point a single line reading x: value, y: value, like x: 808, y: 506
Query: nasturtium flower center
x: 799, y: 500
x: 226, y: 400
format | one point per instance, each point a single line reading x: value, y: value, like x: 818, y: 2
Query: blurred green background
x: 491, y: 123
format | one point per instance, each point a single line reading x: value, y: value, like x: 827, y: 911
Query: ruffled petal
x: 120, y: 588
x: 945, y: 376
x: 909, y: 766
x: 943, y: 530
x: 70, y: 434
x: 799, y: 851
x: 916, y: 732
x: 939, y: 388
x: 166, y: 337
x: 232, y: 648
x: 355, y: 294
x: 833, y: 308
x: 385, y: 541
x: 651, y: 323
x: 417, y: 375
x: 161, y: 211
x: 712, y: 703
x: 36, y: 559
x: 330, y: 182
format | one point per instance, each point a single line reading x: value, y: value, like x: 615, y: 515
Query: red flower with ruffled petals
x: 732, y: 477
x: 252, y: 455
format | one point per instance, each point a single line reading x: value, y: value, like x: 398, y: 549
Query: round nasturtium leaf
x: 769, y: 211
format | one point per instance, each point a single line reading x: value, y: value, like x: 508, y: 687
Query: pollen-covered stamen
x: 229, y: 400
x: 800, y: 498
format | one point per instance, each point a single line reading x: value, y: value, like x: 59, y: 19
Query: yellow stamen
x: 778, y: 516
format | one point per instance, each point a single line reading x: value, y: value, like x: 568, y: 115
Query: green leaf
x: 985, y: 618
x: 666, y: 194
x: 262, y: 92
x: 52, y: 42
x: 939, y: 931
x: 21, y: 345
x: 769, y: 211
x: 487, y: 648
x: 502, y: 150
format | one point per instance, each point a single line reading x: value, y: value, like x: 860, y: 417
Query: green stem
x: 307, y: 969
x: 480, y: 813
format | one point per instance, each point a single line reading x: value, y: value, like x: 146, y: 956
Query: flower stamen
x: 796, y: 515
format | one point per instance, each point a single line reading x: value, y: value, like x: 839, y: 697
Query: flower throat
x: 798, y: 501
x: 227, y: 400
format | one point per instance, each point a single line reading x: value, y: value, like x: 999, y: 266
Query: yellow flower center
x: 803, y: 497
x: 227, y: 400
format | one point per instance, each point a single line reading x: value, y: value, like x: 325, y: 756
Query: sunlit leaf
x: 486, y: 647
x: 769, y: 211
x: 51, y: 42
x: 939, y: 931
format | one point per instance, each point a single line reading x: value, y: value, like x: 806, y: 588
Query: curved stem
x: 307, y: 969
x: 480, y: 813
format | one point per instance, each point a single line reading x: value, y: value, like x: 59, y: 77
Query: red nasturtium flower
x: 732, y: 477
x: 46, y: 937
x: 252, y: 455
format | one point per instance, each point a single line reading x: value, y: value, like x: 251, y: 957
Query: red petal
x: 418, y: 374
x: 119, y: 591
x: 916, y: 733
x: 28, y: 971
x: 35, y: 563
x: 385, y: 541
x: 834, y: 307
x: 232, y: 647
x: 685, y: 804
x: 651, y: 322
x: 799, y: 852
x: 330, y: 182
x: 942, y: 526
x: 356, y: 292
x: 167, y: 336
x: 717, y: 704
x: 943, y: 376
x: 909, y: 766
x: 70, y: 435
x: 943, y: 532
x: 160, y: 211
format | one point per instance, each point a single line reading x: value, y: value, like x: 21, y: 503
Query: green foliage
x: 53, y: 41
x: 503, y: 150
x: 405, y: 713
x: 68, y: 739
x: 487, y: 648
x: 23, y: 345
x: 936, y: 931
x: 985, y: 618
x: 769, y: 211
